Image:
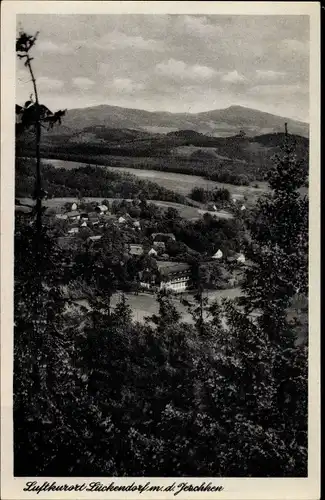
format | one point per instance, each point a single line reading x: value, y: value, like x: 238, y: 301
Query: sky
x: 176, y: 63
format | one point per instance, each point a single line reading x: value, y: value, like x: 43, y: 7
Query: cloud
x: 82, y: 82
x: 200, y: 26
x: 116, y: 40
x: 278, y: 90
x: 46, y: 83
x: 269, y: 75
x: 181, y: 71
x: 125, y: 86
x: 291, y: 47
x: 54, y: 48
x: 233, y: 77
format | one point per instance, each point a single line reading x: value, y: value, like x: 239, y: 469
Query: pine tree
x: 278, y: 246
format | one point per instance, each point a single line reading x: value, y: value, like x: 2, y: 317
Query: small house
x: 61, y: 216
x: 65, y: 242
x: 23, y: 209
x: 108, y: 217
x: 102, y: 209
x: 95, y: 238
x: 93, y: 218
x: 242, y: 208
x: 152, y: 252
x: 241, y: 258
x: 218, y: 255
x: 163, y: 237
x: 84, y: 224
x: 159, y: 245
x: 73, y: 230
x: 73, y: 215
x: 137, y: 224
x: 121, y: 220
x: 136, y: 249
x: 74, y: 206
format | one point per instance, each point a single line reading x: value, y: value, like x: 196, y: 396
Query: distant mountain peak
x: 218, y: 122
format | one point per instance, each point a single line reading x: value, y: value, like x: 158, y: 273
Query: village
x: 87, y: 222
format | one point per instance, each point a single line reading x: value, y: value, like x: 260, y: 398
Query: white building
x: 174, y: 276
x: 74, y: 206
x: 102, y: 209
x: 241, y: 258
x: 218, y: 255
x: 95, y: 238
x: 152, y: 252
x: 243, y: 207
x: 121, y: 220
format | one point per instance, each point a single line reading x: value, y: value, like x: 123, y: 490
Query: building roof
x: 136, y: 249
x: 103, y: 208
x: 159, y: 244
x: 23, y: 209
x: 217, y: 255
x: 165, y: 235
x: 64, y: 242
x: 73, y: 213
x: 95, y: 238
x: 168, y: 267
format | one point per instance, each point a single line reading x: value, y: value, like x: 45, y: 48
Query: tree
x: 199, y: 194
x: 278, y: 245
x: 34, y: 114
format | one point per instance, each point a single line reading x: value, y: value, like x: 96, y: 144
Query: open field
x: 180, y: 183
x: 145, y: 304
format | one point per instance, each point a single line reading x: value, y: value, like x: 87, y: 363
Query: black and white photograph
x: 161, y: 236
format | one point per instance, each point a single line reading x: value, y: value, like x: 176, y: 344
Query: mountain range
x: 217, y: 123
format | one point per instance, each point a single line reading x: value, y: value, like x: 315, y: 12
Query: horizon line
x: 189, y: 112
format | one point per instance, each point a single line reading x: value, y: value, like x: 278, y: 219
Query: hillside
x: 235, y: 160
x: 217, y: 123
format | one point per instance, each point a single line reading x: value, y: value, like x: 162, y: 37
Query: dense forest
x: 88, y: 181
x: 233, y: 160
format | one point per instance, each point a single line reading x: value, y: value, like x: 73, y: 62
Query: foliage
x: 279, y: 245
x: 89, y: 182
x: 217, y: 195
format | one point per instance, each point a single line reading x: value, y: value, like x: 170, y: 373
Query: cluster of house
x: 158, y: 247
x: 213, y: 208
x: 98, y: 218
x: 238, y: 257
x: 174, y: 276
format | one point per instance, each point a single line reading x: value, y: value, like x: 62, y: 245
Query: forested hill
x: 236, y: 159
x: 219, y: 122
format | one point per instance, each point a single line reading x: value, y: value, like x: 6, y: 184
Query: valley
x: 181, y: 183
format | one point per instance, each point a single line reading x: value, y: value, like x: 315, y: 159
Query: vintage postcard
x: 160, y: 292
